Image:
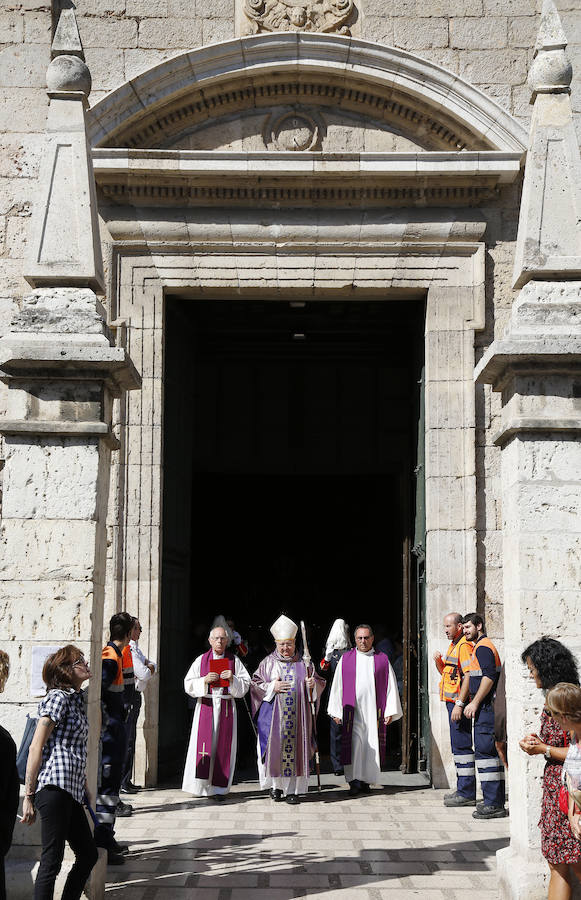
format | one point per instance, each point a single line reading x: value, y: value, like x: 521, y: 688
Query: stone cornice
x: 200, y: 178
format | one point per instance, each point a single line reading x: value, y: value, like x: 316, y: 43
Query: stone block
x: 451, y: 502
x: 106, y: 8
x: 218, y: 9
x: 449, y: 355
x: 170, y: 33
x: 501, y: 93
x: 572, y: 26
x: 11, y: 27
x: 451, y: 557
x: 37, y: 28
x: 20, y: 156
x: 522, y: 31
x: 137, y: 61
x: 449, y: 8
x: 143, y: 8
x: 494, y: 66
x: 61, y: 609
x: 449, y: 404
x: 216, y: 30
x: 22, y: 110
x: 511, y: 7
x: 480, y: 34
x: 418, y: 33
x: 450, y: 451
x: 548, y: 509
x: 47, y: 549
x: 24, y: 66
x: 108, y: 33
x: 107, y: 67
x: 443, y: 56
x: 50, y: 478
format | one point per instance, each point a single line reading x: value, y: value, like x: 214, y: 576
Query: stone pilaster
x: 536, y: 369
x: 63, y: 371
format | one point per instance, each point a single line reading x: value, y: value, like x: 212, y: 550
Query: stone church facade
x: 292, y: 151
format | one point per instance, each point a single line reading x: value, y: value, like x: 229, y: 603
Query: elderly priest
x: 365, y: 699
x: 280, y: 691
x: 216, y: 679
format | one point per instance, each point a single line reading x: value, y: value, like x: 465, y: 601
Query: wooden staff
x: 308, y: 663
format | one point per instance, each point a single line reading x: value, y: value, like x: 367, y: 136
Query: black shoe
x: 129, y: 789
x: 115, y: 859
x: 339, y: 772
x: 354, y: 788
x: 276, y: 795
x: 490, y: 812
x: 292, y: 799
x: 364, y: 787
x: 123, y: 810
x: 115, y: 847
x: 459, y: 800
x: 218, y: 796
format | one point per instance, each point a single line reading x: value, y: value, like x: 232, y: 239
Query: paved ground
x: 399, y: 842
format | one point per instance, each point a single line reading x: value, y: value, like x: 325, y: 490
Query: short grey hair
x: 363, y: 625
x: 218, y: 628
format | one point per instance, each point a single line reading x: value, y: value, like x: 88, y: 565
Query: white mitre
x: 284, y: 629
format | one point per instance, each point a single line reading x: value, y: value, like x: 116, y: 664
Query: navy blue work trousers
x: 463, y: 753
x: 488, y: 765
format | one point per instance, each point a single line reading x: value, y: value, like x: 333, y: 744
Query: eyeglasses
x: 81, y: 662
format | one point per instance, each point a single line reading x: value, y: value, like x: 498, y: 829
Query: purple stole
x: 221, y: 773
x: 348, y: 665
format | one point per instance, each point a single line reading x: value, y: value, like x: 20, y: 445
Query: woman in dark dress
x: 550, y: 662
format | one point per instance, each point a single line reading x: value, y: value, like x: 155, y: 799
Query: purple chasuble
x: 349, y: 667
x: 284, y: 723
x: 221, y: 773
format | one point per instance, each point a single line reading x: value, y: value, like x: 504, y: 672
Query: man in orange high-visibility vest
x: 452, y: 667
x: 483, y: 673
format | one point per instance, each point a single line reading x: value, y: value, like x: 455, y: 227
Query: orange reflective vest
x: 109, y: 652
x: 474, y: 671
x: 456, y: 662
x: 128, y: 673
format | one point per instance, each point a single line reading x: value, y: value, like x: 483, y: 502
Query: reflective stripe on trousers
x: 488, y: 764
x: 461, y: 742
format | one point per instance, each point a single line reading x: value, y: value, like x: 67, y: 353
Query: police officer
x: 452, y: 667
x: 113, y: 735
x: 483, y: 672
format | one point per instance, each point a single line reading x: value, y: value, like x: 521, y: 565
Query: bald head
x: 453, y: 626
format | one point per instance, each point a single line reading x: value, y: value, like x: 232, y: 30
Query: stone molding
x: 140, y: 105
x: 199, y: 178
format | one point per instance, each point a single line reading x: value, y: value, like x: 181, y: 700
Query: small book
x: 218, y: 665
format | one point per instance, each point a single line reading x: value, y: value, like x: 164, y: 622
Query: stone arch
x: 422, y: 101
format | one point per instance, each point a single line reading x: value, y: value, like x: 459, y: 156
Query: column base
x: 520, y: 878
x: 21, y: 875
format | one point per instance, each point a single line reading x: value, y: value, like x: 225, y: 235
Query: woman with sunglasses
x: 55, y: 783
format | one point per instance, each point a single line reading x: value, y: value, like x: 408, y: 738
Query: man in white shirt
x: 365, y: 700
x: 143, y: 669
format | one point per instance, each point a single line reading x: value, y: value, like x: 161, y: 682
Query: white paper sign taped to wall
x: 39, y: 656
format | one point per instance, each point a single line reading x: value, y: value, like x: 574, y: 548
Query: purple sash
x: 381, y: 668
x: 221, y: 773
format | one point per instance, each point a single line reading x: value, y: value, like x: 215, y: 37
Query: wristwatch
x: 548, y: 753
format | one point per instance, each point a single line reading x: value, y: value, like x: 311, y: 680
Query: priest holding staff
x: 216, y: 679
x: 281, y: 691
x: 365, y: 699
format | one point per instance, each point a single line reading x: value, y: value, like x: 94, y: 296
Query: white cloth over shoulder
x: 365, y: 762
x: 195, y: 686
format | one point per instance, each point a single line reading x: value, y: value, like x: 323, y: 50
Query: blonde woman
x: 564, y: 703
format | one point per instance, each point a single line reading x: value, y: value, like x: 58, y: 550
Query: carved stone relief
x: 299, y: 15
x: 294, y: 130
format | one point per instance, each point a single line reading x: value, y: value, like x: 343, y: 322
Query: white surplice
x: 195, y: 686
x: 365, y: 762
